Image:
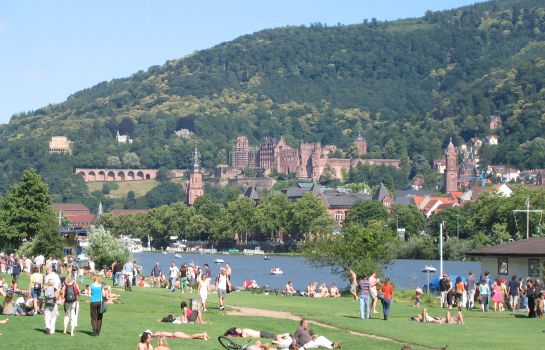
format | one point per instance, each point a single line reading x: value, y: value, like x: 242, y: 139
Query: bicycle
x: 228, y: 344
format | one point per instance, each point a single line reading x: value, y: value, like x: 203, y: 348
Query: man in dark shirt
x: 156, y: 274
x: 513, y: 292
x: 309, y: 340
x: 444, y: 288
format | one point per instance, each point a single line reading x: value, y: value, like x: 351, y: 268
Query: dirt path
x: 248, y: 311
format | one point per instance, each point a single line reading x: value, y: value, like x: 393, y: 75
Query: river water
x: 404, y: 273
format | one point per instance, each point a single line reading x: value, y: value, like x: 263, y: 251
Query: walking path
x: 248, y: 311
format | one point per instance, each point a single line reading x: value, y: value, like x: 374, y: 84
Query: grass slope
x: 144, y: 306
x: 140, y: 187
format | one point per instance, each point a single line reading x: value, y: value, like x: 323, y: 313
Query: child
x: 418, y: 294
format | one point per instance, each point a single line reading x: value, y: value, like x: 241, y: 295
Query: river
x: 404, y: 273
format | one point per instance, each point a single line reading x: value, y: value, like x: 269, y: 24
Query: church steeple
x: 196, y: 161
x: 451, y: 171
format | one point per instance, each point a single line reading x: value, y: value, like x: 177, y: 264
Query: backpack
x: 75, y: 266
x: 16, y: 268
x: 70, y: 293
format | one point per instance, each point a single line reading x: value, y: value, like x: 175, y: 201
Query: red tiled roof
x: 121, y: 212
x: 70, y: 207
x: 80, y: 218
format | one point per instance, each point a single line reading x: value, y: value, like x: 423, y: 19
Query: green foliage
x: 309, y: 218
x: 27, y: 213
x: 364, y: 212
x: 362, y: 248
x: 409, y: 218
x: 104, y: 248
x: 272, y: 215
x: 416, y: 247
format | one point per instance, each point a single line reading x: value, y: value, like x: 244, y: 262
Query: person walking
x: 365, y: 295
x: 35, y: 287
x: 204, y: 288
x: 51, y: 309
x: 173, y: 273
x: 222, y: 283
x: 97, y: 297
x: 374, y: 282
x: 388, y: 290
x: 156, y: 275
x: 484, y: 292
x: 16, y: 268
x: 70, y: 294
x: 471, y: 288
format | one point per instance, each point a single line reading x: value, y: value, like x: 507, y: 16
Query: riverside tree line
x: 368, y: 236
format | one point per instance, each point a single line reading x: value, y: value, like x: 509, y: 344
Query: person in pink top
x: 497, y: 298
x: 374, y: 281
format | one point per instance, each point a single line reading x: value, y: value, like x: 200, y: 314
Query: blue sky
x: 51, y: 49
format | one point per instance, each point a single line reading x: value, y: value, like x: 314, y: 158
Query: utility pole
x: 528, y: 211
x: 441, y: 248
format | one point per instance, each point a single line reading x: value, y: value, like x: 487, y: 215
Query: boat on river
x: 276, y: 271
x: 255, y: 251
x: 219, y: 261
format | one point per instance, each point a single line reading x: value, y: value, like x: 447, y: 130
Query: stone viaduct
x: 121, y: 174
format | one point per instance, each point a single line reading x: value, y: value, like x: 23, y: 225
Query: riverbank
x: 337, y: 319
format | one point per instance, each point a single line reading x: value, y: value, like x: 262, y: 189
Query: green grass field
x: 144, y: 306
x: 140, y: 187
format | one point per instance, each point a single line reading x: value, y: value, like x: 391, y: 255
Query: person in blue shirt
x: 97, y: 297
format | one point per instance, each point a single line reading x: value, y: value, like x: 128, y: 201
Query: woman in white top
x: 373, y: 281
x: 204, y: 289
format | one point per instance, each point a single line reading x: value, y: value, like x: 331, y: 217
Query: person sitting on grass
x: 334, y: 291
x: 424, y: 317
x: 289, y: 290
x: 162, y: 344
x: 145, y: 341
x: 324, y: 292
x: 193, y: 316
x: 308, y: 340
x: 111, y: 298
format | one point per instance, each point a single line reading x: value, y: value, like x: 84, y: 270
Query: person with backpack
x: 51, y: 310
x: 70, y: 294
x: 74, y: 268
x: 16, y: 268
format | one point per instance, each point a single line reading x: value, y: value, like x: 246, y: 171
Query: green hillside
x: 407, y: 86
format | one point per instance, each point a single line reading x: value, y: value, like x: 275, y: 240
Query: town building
x: 60, y: 144
x: 451, y: 169
x: 307, y: 161
x: 77, y: 214
x: 195, y: 187
x: 523, y: 258
x: 122, y: 138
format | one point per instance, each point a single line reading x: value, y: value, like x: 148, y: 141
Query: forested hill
x: 407, y: 86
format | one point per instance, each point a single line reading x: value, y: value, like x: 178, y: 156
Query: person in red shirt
x: 388, y: 290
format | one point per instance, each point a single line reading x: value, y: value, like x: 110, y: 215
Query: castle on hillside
x: 60, y: 144
x: 307, y: 161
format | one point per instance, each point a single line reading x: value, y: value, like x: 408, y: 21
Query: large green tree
x: 272, y: 215
x: 309, y: 218
x: 27, y: 215
x: 364, y: 212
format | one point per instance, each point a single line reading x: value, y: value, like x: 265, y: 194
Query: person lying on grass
x: 179, y: 335
x: 188, y: 316
x: 424, y: 317
x: 280, y: 340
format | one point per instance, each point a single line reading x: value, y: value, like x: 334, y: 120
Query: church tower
x: 195, y: 187
x: 361, y: 145
x: 451, y: 171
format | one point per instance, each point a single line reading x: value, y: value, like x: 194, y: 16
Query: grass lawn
x: 140, y: 187
x: 144, y: 306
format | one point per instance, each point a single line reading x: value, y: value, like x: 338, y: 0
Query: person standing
x: 51, y: 309
x: 35, y: 286
x: 484, y: 292
x: 91, y: 265
x: 374, y: 281
x: 365, y: 291
x: 388, y: 290
x: 173, y: 273
x: 513, y: 292
x: 228, y: 273
x: 97, y: 292
x: 70, y: 294
x: 353, y: 283
x: 444, y: 288
x: 127, y: 275
x: 207, y: 271
x: 204, y: 288
x: 156, y: 274
x: 53, y: 276
x: 39, y: 262
x: 16, y: 268
x: 531, y: 295
x: 222, y: 283
x: 471, y: 288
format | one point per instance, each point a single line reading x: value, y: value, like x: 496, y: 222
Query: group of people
x: 515, y: 294
x: 369, y: 290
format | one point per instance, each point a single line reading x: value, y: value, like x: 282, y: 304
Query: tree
x: 272, y: 215
x: 409, y: 218
x: 364, y: 212
x: 104, y: 248
x: 131, y: 160
x: 113, y: 162
x: 329, y: 177
x: 362, y: 248
x: 27, y: 214
x: 241, y: 214
x: 309, y: 218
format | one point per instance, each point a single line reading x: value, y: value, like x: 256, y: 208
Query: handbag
x: 103, y: 307
x: 380, y: 295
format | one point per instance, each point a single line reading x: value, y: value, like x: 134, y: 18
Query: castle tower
x: 361, y: 144
x: 195, y: 187
x: 451, y: 170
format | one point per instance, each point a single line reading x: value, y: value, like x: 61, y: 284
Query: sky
x: 51, y: 49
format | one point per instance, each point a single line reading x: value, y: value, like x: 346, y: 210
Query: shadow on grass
x: 86, y: 332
